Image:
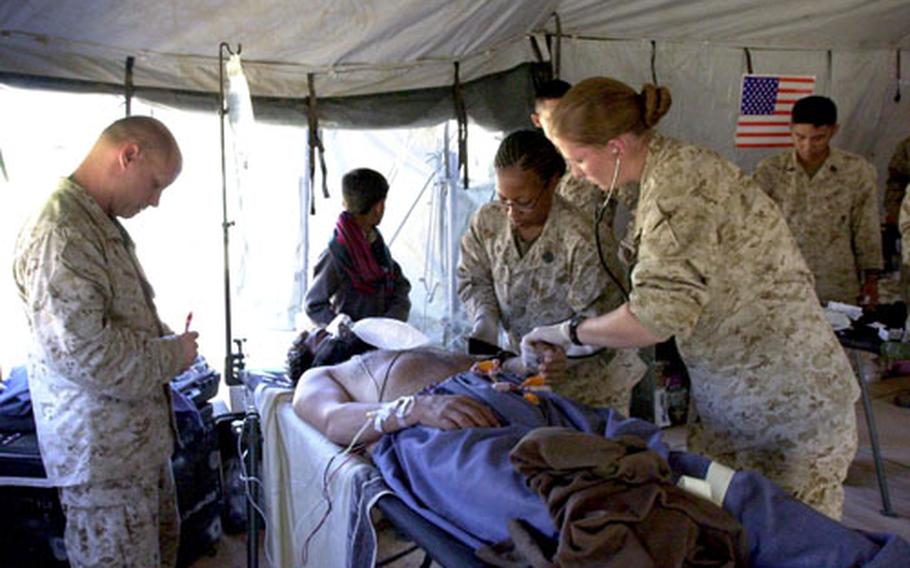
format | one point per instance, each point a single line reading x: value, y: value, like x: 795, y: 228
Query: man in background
x: 895, y: 189
x: 898, y: 179
x: 829, y: 199
x: 101, y: 359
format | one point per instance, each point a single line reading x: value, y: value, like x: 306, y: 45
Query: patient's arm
x: 322, y: 401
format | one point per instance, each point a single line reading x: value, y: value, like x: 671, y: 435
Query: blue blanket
x: 463, y: 482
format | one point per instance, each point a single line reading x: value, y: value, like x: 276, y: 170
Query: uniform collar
x: 111, y: 228
x: 656, y: 146
x: 833, y: 163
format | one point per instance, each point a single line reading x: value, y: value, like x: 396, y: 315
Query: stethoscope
x: 598, y: 219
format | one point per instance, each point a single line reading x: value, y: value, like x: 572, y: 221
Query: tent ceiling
x: 368, y: 46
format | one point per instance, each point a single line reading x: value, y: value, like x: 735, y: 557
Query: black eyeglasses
x: 522, y: 207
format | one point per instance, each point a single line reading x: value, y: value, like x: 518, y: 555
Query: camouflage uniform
x: 904, y: 224
x: 98, y: 513
x: 99, y: 369
x: 833, y: 215
x: 559, y: 276
x: 898, y: 179
x: 589, y: 198
x: 717, y: 268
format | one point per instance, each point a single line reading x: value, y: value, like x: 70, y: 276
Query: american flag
x: 764, y: 113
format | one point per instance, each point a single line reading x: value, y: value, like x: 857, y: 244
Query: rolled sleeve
x: 474, y: 275
x: 670, y: 279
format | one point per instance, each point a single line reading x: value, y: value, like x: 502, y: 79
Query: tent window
x: 180, y: 243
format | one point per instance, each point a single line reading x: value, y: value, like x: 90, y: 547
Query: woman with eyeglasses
x: 529, y: 258
x: 715, y: 266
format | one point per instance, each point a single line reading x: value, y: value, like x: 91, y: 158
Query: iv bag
x: 239, y: 110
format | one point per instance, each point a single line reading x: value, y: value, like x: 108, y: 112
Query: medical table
x: 869, y: 333
x: 318, y: 501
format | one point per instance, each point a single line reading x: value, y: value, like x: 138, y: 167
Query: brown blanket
x: 614, y: 504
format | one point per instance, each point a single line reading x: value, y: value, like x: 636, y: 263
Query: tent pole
x: 451, y: 246
x: 230, y: 375
x: 233, y: 363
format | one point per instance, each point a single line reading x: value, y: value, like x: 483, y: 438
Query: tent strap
x: 315, y: 141
x: 535, y: 47
x: 654, y: 62
x: 461, y: 115
x: 897, y: 93
x: 557, y: 51
x: 128, y: 87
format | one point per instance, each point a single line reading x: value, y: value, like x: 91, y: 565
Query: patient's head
x: 319, y: 348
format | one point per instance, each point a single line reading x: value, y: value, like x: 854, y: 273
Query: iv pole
x: 230, y: 359
x: 234, y: 362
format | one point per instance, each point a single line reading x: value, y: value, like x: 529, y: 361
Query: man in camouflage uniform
x: 830, y: 201
x: 716, y: 267
x: 904, y: 226
x: 101, y: 359
x: 898, y: 179
x: 528, y: 260
x: 895, y: 189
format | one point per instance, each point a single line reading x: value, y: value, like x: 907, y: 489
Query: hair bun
x: 655, y: 103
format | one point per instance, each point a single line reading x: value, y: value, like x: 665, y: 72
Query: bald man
x: 101, y: 359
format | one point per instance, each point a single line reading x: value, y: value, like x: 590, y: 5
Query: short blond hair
x: 149, y: 133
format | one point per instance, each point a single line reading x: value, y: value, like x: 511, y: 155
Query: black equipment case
x: 32, y: 520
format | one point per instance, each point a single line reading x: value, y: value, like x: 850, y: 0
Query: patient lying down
x: 382, y: 388
x: 473, y: 460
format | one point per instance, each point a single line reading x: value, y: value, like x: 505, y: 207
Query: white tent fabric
x: 369, y: 46
x: 357, y: 47
x: 705, y: 80
x: 857, y: 50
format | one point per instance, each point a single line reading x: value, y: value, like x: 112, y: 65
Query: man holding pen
x: 101, y: 359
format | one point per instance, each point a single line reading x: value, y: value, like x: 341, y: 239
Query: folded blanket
x: 615, y: 504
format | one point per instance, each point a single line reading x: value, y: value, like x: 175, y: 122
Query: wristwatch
x: 573, y: 328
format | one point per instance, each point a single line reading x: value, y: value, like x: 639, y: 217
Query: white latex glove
x: 486, y: 328
x: 341, y: 320
x: 556, y: 334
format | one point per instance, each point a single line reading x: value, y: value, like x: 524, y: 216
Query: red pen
x: 189, y: 320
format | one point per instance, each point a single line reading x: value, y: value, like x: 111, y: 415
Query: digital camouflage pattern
x: 589, y: 198
x: 100, y: 359
x: 898, y: 179
x: 904, y: 227
x: 716, y: 267
x: 130, y: 522
x: 559, y: 276
x: 833, y: 215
